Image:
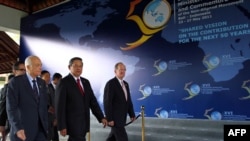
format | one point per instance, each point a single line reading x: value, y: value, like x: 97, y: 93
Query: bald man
x: 27, y: 104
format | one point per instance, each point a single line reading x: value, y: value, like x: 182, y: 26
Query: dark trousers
x: 7, y: 130
x: 117, y: 134
x: 40, y: 136
x: 80, y: 137
x: 55, y: 134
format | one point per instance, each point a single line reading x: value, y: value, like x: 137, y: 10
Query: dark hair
x: 16, y: 65
x: 117, y: 64
x: 71, y: 61
x: 56, y: 76
x: 44, y: 72
x: 11, y: 76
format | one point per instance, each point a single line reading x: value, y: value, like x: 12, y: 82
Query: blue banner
x: 184, y: 58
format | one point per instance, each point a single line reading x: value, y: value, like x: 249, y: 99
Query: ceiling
x: 9, y: 49
x: 31, y: 6
x: 8, y: 52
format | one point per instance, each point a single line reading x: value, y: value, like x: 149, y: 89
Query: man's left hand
x: 104, y: 122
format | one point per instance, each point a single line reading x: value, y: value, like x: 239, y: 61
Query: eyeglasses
x: 21, y: 69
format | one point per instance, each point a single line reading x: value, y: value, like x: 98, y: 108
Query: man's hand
x: 133, y: 119
x: 63, y: 132
x: 21, y: 135
x: 51, y: 110
x: 2, y: 131
x: 104, y: 122
x: 55, y: 122
x: 111, y: 123
x: 2, y: 128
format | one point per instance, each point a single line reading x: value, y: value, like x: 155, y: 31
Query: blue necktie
x: 35, y: 90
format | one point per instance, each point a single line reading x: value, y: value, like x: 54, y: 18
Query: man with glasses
x: 17, y: 69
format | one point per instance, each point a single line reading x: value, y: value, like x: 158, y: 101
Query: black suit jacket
x: 51, y: 95
x: 22, y: 108
x: 115, y: 105
x: 73, y: 109
x: 3, y: 112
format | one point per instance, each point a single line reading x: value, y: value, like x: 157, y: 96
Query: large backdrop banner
x: 187, y: 59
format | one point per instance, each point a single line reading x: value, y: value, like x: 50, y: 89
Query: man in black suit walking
x: 117, y: 104
x: 27, y: 104
x: 4, y: 124
x: 18, y: 69
x: 74, y: 99
x: 52, y: 86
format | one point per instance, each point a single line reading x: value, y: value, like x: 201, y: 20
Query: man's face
x: 57, y: 80
x: 46, y: 78
x: 76, y: 68
x: 20, y: 71
x: 35, y: 68
x: 120, y: 71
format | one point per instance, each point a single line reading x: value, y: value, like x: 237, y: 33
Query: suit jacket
x: 51, y: 100
x: 72, y: 108
x: 3, y: 112
x: 51, y: 95
x: 115, y: 105
x: 23, y: 110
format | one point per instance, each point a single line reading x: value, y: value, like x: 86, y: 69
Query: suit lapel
x: 39, y: 85
x: 73, y: 81
x: 120, y: 87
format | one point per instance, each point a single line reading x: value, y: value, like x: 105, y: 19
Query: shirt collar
x: 53, y: 84
x: 76, y: 77
x: 120, y: 80
x: 30, y: 78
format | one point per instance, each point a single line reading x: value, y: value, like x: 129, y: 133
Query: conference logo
x: 237, y: 132
x: 146, y: 91
x: 246, y: 86
x: 161, y: 113
x: 210, y: 62
x: 192, y: 89
x: 154, y: 18
x: 160, y: 66
x: 212, y: 115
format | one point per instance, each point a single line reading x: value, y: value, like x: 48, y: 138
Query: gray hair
x: 117, y: 64
x: 28, y: 60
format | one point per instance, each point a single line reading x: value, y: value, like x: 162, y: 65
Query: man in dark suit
x: 17, y: 69
x: 52, y: 86
x: 27, y: 104
x: 74, y: 99
x: 45, y: 75
x: 117, y: 104
x: 4, y: 125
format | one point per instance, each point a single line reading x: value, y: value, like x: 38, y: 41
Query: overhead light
x: 63, y: 1
x: 14, y: 36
